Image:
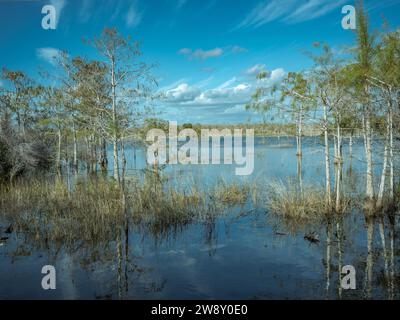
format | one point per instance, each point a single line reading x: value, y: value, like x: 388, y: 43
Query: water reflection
x: 228, y: 251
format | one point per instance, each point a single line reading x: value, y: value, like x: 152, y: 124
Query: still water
x: 246, y: 253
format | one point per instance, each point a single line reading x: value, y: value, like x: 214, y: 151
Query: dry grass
x: 231, y: 194
x: 94, y: 209
x: 289, y: 202
x: 48, y: 210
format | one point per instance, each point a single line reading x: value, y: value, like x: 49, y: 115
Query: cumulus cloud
x: 182, y: 93
x: 277, y: 75
x: 48, y: 54
x: 200, y: 53
x: 226, y: 94
x: 231, y: 93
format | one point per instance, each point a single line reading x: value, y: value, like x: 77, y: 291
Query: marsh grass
x: 95, y: 209
x: 48, y: 210
x: 231, y: 193
x: 163, y: 209
x: 301, y: 205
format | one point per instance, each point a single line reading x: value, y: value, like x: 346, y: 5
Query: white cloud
x: 133, y: 16
x: 48, y: 54
x: 288, y: 11
x: 256, y: 69
x: 225, y: 94
x: 200, y: 53
x: 173, y: 85
x: 274, y: 77
x: 59, y: 6
x: 313, y: 9
x: 228, y: 83
x: 239, y: 93
x: 277, y: 75
x: 182, y: 93
x: 230, y: 93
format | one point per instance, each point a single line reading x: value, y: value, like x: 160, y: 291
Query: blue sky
x: 207, y: 51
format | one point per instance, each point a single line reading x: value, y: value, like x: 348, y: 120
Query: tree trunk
x: 391, y: 166
x: 299, y: 134
x: 123, y: 158
x: 115, y: 123
x: 383, y: 178
x: 338, y: 189
x: 87, y: 155
x: 103, y: 156
x: 335, y: 147
x: 328, y: 197
x: 384, y: 167
x: 368, y: 150
x: 75, y: 159
x: 300, y: 174
x: 58, y: 160
x: 339, y: 142
x: 94, y: 159
x: 116, y: 159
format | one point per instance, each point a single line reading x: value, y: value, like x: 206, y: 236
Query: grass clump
x: 231, y: 194
x: 289, y: 201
